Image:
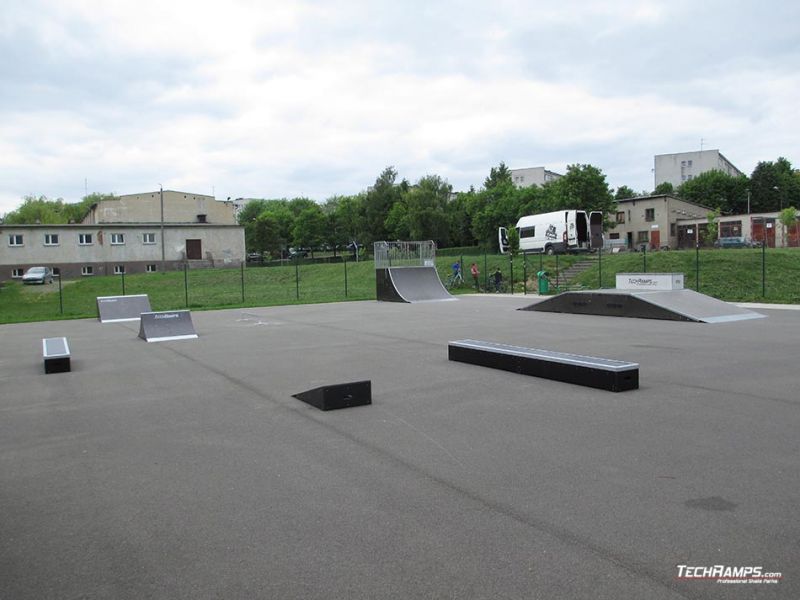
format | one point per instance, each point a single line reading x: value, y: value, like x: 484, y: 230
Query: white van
x: 561, y: 231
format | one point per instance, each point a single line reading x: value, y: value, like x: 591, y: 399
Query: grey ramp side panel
x: 418, y: 284
x: 674, y: 305
x: 166, y: 326
x: 385, y: 290
x: 113, y: 309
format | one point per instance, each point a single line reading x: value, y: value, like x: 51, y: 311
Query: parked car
x: 255, y: 257
x: 298, y: 252
x: 38, y: 275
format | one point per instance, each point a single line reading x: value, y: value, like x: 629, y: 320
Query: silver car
x: 38, y: 275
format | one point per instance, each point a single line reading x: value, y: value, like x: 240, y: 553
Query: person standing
x: 473, y: 269
x: 498, y: 279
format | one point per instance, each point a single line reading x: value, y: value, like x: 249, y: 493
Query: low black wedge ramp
x: 410, y: 284
x: 671, y: 305
x: 340, y: 395
x: 167, y: 326
x: 114, y: 309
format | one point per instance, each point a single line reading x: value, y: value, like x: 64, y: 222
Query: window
x: 51, y: 239
x: 87, y: 270
x: 117, y: 239
x: 527, y: 232
x: 15, y: 239
x: 56, y: 272
x: 621, y: 217
x: 730, y: 229
x: 17, y: 273
x: 84, y: 239
x: 643, y: 236
x: 119, y: 269
x: 689, y: 163
x: 614, y: 236
x: 151, y: 268
x: 148, y: 238
x: 650, y: 214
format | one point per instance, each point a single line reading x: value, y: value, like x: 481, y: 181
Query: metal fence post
x: 123, y: 280
x: 600, y: 267
x: 60, y: 295
x: 344, y: 260
x: 524, y: 274
x: 764, y: 267
x: 644, y: 259
x: 511, y: 269
x: 697, y: 268
x: 297, y: 277
x: 242, y: 267
x: 186, y: 282
x: 485, y: 271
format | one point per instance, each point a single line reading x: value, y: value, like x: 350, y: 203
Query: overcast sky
x: 284, y: 99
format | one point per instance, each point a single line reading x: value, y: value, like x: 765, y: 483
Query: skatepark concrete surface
x: 185, y: 469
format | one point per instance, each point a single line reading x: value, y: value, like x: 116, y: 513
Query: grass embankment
x: 733, y: 275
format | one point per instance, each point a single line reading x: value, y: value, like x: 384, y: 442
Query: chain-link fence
x: 746, y: 274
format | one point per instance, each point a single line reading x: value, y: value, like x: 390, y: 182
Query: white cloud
x: 301, y: 99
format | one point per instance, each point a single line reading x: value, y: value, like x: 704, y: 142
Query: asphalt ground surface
x: 186, y: 469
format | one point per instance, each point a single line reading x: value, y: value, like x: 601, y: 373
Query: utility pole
x: 163, y: 247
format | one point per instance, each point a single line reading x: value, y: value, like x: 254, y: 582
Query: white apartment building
x: 532, y: 176
x: 685, y: 166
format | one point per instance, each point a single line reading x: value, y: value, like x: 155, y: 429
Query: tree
x: 716, y: 189
x: 426, y: 202
x: 774, y: 185
x: 265, y: 234
x: 711, y: 233
x: 624, y: 192
x: 583, y: 187
x: 378, y: 202
x: 43, y: 210
x: 665, y: 188
x: 500, y: 176
x: 788, y: 218
x: 309, y: 228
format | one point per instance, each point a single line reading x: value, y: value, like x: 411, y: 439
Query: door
x: 596, y: 229
x: 763, y: 230
x: 655, y: 239
x: 194, y: 249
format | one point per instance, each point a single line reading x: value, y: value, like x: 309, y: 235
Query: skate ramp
x: 410, y: 284
x: 167, y: 326
x: 673, y: 305
x: 114, y: 309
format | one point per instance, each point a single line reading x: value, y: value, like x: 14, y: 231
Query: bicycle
x: 455, y: 280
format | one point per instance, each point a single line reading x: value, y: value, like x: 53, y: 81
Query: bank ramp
x: 673, y: 305
x: 410, y: 284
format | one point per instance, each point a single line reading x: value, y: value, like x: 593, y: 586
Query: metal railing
x: 405, y: 254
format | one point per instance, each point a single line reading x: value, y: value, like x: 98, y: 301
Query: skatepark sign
x: 650, y: 281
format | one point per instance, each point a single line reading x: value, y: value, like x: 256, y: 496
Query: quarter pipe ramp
x: 410, y: 284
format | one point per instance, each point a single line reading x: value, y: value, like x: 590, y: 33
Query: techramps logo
x: 726, y: 574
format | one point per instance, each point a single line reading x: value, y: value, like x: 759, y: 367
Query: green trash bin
x: 544, y: 282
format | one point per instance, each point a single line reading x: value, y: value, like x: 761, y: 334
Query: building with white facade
x: 532, y: 176
x: 128, y: 235
x: 651, y: 221
x: 685, y: 166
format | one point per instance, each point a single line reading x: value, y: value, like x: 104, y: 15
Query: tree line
x: 396, y: 209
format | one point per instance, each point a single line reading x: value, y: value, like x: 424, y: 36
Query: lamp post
x: 163, y: 247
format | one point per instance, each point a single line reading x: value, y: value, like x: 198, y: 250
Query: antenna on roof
x: 701, y: 144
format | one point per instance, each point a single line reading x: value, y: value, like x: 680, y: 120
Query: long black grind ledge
x: 601, y: 373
